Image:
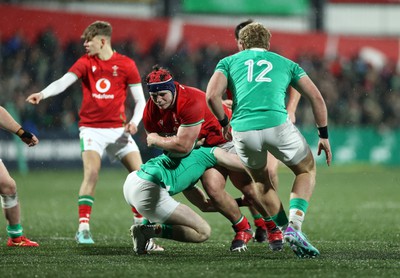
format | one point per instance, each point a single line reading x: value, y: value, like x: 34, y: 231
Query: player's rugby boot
x: 275, y: 239
x: 139, y: 239
x: 240, y: 240
x: 21, y: 242
x: 300, y: 244
x: 260, y: 235
x: 84, y: 237
x: 152, y: 246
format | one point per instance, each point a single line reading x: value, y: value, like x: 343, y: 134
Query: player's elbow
x: 210, y: 98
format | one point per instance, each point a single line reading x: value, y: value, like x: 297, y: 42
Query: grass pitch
x: 353, y: 219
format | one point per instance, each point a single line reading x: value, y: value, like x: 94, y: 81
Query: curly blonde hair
x: 255, y: 35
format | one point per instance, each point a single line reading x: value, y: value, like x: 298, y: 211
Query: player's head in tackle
x: 160, y: 84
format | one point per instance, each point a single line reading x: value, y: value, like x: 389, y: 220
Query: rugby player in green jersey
x: 258, y: 80
x: 150, y: 189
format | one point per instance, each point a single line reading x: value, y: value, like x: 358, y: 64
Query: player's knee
x: 306, y: 166
x: 204, y: 232
x: 8, y: 186
x: 8, y: 200
x: 214, y: 186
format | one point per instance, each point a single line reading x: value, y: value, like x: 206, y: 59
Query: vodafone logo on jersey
x: 102, y: 86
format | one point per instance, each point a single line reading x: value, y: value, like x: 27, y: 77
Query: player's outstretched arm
x: 27, y: 137
x: 53, y: 89
x: 8, y: 123
x: 34, y: 98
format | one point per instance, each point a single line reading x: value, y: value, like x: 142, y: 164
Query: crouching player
x: 8, y: 188
x: 150, y: 189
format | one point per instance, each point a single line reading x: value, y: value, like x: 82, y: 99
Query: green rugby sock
x: 280, y: 219
x: 14, y: 231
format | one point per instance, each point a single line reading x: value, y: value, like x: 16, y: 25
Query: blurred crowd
x: 357, y: 93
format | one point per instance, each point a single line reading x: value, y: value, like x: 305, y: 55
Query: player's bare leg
x: 214, y: 184
x: 303, y: 187
x: 272, y: 170
x: 304, y: 183
x: 261, y: 193
x: 183, y: 225
x: 265, y: 226
x: 8, y: 187
x: 91, y: 168
x: 302, y: 190
x: 188, y: 226
x: 11, y: 210
x: 260, y: 200
x: 132, y: 161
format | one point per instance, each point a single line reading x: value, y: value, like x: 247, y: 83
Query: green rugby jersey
x: 177, y: 174
x: 258, y: 80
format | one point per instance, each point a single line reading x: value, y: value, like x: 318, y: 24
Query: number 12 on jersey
x: 261, y: 77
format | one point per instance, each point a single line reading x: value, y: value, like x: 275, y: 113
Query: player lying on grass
x: 150, y: 189
x: 8, y: 187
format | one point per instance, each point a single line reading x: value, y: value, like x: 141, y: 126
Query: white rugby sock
x: 296, y: 218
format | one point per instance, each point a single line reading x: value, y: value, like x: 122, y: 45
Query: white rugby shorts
x: 285, y: 142
x: 151, y: 200
x: 115, y: 141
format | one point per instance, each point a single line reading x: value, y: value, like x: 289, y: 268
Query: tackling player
x: 106, y: 76
x: 150, y: 190
x: 175, y: 117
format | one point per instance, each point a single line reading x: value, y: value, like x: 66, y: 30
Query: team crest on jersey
x: 115, y: 68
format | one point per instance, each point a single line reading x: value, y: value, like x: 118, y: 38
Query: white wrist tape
x: 8, y: 201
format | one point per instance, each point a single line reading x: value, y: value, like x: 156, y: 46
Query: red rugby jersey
x: 190, y: 108
x: 104, y: 86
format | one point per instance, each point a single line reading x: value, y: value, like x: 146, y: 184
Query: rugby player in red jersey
x: 106, y: 76
x: 175, y: 117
